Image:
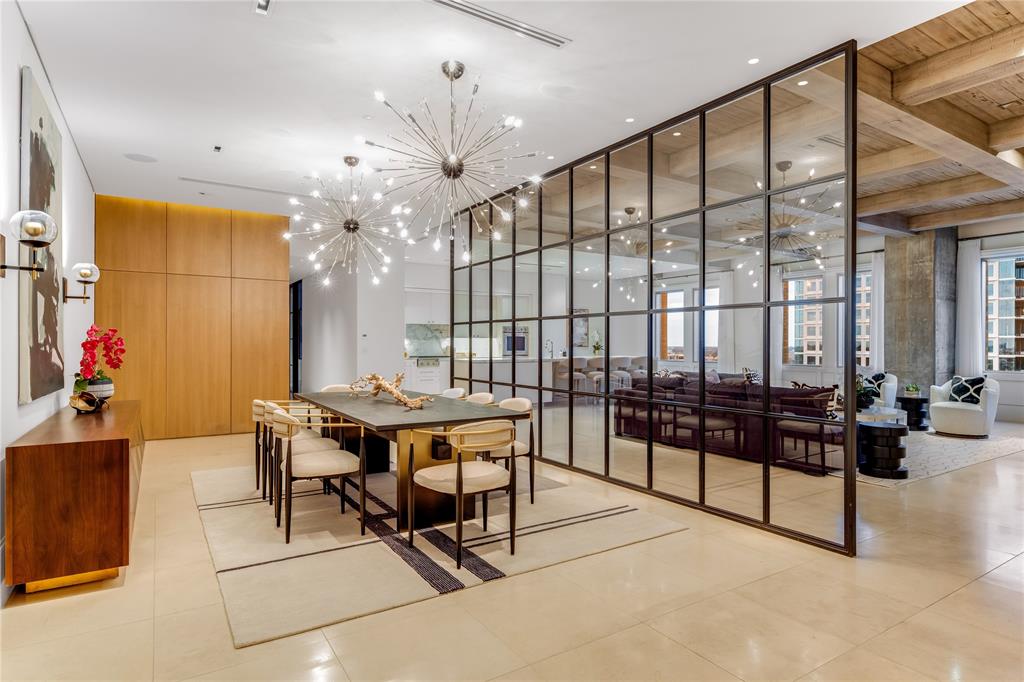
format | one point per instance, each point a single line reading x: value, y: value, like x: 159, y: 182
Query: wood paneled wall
x: 201, y: 297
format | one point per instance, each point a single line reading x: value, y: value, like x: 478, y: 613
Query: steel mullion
x: 606, y: 275
x: 766, y: 349
x: 850, y: 361
x: 701, y: 317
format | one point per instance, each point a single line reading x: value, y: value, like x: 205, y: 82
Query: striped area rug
x: 329, y: 573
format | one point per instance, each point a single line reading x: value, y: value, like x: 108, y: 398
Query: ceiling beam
x: 966, y: 215
x: 896, y: 162
x: 972, y: 64
x: 922, y: 195
x: 887, y: 224
x: 1006, y: 135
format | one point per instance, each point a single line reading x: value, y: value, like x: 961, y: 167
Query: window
x: 1004, y: 308
x: 672, y: 337
x: 711, y: 297
x: 862, y: 299
x: 801, y: 334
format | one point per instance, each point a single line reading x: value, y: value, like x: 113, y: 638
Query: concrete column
x: 920, y: 307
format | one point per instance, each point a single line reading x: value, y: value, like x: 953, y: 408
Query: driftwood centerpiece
x: 375, y: 383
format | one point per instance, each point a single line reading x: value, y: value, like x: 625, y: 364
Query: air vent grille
x: 518, y: 27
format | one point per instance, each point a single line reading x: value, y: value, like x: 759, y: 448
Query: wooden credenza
x: 72, y: 484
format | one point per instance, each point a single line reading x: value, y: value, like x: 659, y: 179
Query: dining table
x: 382, y: 417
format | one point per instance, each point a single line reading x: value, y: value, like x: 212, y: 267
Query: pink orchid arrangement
x: 113, y: 350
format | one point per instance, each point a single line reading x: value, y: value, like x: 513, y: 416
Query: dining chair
x: 453, y: 393
x: 480, y: 398
x: 269, y: 407
x: 257, y: 417
x: 462, y: 478
x: 518, y: 448
x: 312, y: 459
x: 338, y: 388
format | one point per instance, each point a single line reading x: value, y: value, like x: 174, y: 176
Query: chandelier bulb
x: 437, y: 245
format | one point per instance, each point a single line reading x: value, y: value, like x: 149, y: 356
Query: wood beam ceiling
x: 922, y: 195
x: 966, y: 215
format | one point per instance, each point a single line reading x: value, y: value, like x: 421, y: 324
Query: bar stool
x: 468, y: 478
x: 518, y: 448
x: 480, y: 398
x: 618, y: 375
x: 310, y: 459
x: 579, y: 377
x: 455, y: 393
x: 595, y: 373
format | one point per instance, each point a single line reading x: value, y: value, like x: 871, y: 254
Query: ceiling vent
x: 521, y: 29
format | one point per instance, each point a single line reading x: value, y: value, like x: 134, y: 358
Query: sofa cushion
x: 966, y: 389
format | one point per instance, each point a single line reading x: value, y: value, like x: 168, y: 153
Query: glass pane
x: 807, y: 234
x: 808, y: 125
x: 526, y: 349
x: 555, y: 350
x: 501, y: 360
x: 481, y: 387
x: 676, y: 169
x: 527, y: 235
x: 501, y: 392
x: 481, y: 232
x: 627, y: 442
x: 462, y: 295
x: 460, y: 342
x: 628, y: 280
x: 812, y: 503
x: 676, y: 362
x: 628, y: 189
x: 588, y: 434
x: 555, y: 427
x: 501, y: 237
x: 805, y: 357
x: 588, y: 209
x: 555, y: 281
x: 481, y: 292
x: 676, y: 255
x: 481, y: 350
x: 627, y: 339
x: 526, y: 430
x: 676, y: 458
x: 461, y: 383
x: 555, y: 209
x: 738, y: 373
x: 588, y: 276
x: 734, y: 453
x: 734, y: 239
x: 588, y: 354
x: 733, y: 164
x: 526, y: 285
x: 501, y: 289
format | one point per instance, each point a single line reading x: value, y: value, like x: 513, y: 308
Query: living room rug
x: 930, y: 454
x: 329, y: 573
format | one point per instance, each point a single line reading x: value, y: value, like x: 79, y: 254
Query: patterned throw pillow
x: 873, y: 384
x: 752, y: 376
x: 663, y: 373
x: 966, y: 389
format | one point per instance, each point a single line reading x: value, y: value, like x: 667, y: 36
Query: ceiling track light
x: 521, y: 29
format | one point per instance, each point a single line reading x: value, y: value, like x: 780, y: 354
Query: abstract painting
x: 581, y: 328
x: 40, y: 316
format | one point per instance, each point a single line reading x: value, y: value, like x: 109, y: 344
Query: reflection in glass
x: 527, y: 236
x: 627, y: 442
x: 526, y: 350
x: 555, y: 281
x: 627, y: 339
x: 526, y: 285
x: 588, y: 434
x: 675, y: 352
x: 628, y: 185
x: 812, y: 504
x: 739, y: 370
x: 734, y: 453
x: 805, y: 350
x: 734, y: 239
x: 588, y: 209
x: 555, y: 427
x: 481, y: 280
x: 808, y: 125
x: 555, y: 209
x: 501, y: 237
x: 734, y: 158
x: 589, y: 348
x: 460, y: 347
x: 481, y: 350
x: 676, y: 468
x: 481, y: 233
x: 501, y: 358
x: 807, y: 230
x: 676, y: 169
x: 588, y: 280
x: 676, y: 255
x: 461, y: 312
x: 501, y: 289
x: 554, y: 352
x: 628, y: 282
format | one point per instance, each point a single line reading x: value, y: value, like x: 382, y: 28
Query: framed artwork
x: 580, y: 328
x: 40, y: 314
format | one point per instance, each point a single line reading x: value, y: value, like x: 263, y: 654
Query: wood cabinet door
x: 198, y: 240
x: 136, y: 303
x: 131, y: 234
x: 258, y: 250
x: 259, y: 346
x: 198, y: 355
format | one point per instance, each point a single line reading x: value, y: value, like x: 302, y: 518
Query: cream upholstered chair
x: 462, y: 478
x: 310, y: 459
x: 887, y: 390
x: 480, y: 398
x: 295, y: 407
x: 518, y: 448
x: 257, y: 417
x: 453, y: 393
x: 963, y: 419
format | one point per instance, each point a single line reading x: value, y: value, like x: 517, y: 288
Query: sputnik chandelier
x: 345, y: 216
x: 451, y: 167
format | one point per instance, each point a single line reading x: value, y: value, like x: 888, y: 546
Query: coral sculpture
x: 375, y: 383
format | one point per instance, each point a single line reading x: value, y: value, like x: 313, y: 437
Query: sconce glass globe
x: 85, y: 273
x: 34, y: 229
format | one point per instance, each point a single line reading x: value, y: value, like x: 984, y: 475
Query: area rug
x: 329, y: 573
x: 930, y: 454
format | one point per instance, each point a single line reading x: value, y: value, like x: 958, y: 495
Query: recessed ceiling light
x: 753, y: 60
x: 676, y: 134
x: 630, y: 119
x: 551, y: 157
x: 593, y: 168
x: 141, y: 158
x: 367, y: 117
x: 801, y: 83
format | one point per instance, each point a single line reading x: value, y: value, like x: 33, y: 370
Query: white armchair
x: 963, y: 419
x: 887, y: 389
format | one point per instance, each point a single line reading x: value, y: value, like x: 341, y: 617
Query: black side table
x: 881, y: 449
x: 916, y: 407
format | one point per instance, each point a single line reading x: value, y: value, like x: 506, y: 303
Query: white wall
x: 75, y: 221
x: 328, y: 332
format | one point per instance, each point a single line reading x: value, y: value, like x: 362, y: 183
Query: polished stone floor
x: 936, y: 593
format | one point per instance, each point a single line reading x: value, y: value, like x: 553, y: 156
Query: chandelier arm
x: 433, y: 143
x: 482, y: 146
x: 465, y: 121
x: 401, y: 152
x: 437, y: 133
x: 416, y: 145
x: 433, y: 180
x: 467, y: 135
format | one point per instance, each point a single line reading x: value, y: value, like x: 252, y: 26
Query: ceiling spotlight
x: 630, y: 119
x: 676, y: 134
x: 593, y: 167
x: 551, y: 157
x: 753, y: 60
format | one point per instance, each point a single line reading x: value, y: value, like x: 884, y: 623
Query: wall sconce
x: 85, y: 274
x: 33, y: 229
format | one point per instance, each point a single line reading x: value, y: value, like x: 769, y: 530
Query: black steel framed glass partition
x: 675, y: 305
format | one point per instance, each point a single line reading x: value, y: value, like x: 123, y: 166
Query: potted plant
x: 864, y: 400
x: 596, y: 345
x: 91, y: 377
x: 912, y: 390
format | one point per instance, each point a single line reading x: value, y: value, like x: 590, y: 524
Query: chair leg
x: 531, y: 476
x: 362, y: 485
x: 512, y: 513
x: 486, y: 495
x: 288, y: 510
x: 341, y: 486
x: 459, y: 502
x: 256, y: 449
x: 276, y: 487
x: 411, y: 498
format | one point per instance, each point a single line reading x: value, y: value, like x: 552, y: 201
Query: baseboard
x: 5, y: 589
